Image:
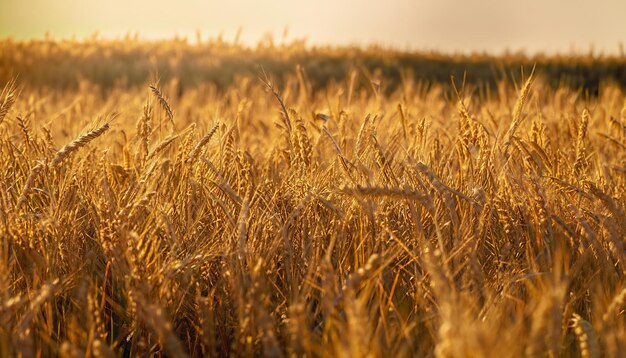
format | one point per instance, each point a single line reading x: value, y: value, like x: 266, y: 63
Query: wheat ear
x: 207, y: 137
x: 78, y: 143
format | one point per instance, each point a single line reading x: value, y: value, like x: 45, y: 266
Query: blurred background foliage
x: 130, y: 62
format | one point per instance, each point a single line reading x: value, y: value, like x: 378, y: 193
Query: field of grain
x: 274, y: 218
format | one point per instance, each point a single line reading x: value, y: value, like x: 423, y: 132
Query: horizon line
x: 196, y: 38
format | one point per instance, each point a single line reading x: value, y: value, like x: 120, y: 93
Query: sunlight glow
x: 447, y: 25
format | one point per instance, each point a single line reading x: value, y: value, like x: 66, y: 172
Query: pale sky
x: 445, y: 25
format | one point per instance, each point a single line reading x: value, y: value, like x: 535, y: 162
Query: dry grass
x: 313, y: 223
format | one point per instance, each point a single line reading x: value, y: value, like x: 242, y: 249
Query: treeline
x: 63, y: 64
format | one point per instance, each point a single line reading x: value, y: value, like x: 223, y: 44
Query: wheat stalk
x: 78, y: 143
x: 207, y: 137
x: 163, y: 102
x: 517, y: 112
x: 34, y: 173
x: 9, y: 99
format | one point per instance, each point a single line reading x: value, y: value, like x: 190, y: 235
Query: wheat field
x: 274, y: 219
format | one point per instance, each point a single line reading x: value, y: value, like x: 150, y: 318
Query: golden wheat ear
x: 162, y: 101
x: 7, y: 96
x: 207, y: 137
x: 79, y: 142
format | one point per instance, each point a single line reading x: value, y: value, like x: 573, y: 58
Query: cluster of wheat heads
x: 284, y: 221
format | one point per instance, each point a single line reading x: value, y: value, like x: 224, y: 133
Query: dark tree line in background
x: 128, y: 63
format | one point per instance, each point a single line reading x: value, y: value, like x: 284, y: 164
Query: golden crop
x: 285, y: 221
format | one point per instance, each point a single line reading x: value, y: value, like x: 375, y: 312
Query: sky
x: 550, y: 26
